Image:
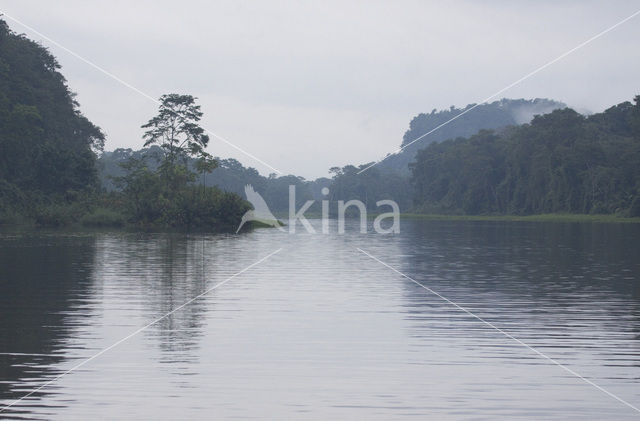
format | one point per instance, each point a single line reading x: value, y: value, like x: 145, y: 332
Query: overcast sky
x: 306, y: 86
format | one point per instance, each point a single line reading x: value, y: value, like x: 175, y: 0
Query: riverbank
x: 549, y: 217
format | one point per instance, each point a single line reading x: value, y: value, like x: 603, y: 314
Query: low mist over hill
x: 562, y: 162
x: 502, y: 113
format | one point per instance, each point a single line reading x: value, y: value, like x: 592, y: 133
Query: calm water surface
x: 321, y: 331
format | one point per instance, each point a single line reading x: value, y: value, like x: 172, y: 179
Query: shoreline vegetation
x: 49, y: 152
x: 544, y: 217
x: 556, y: 166
x: 103, y: 219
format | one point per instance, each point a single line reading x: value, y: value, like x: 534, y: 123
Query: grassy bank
x: 549, y: 217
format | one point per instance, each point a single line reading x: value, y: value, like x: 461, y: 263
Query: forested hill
x: 383, y: 181
x: 48, y: 172
x: 562, y: 162
x: 45, y: 142
x: 390, y: 178
x: 502, y: 113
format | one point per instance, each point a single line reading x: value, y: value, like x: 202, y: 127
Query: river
x: 445, y: 320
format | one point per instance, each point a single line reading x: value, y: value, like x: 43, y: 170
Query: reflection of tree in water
x: 167, y: 269
x: 44, y: 289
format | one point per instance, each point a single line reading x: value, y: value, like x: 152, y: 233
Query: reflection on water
x: 321, y: 330
x: 41, y: 280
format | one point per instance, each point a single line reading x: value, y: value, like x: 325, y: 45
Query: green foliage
x: 545, y: 217
x: 464, y: 122
x: 207, y: 209
x: 634, y: 210
x: 369, y: 186
x: 168, y: 198
x: 47, y: 146
x: 175, y: 129
x: 48, y: 171
x: 103, y: 218
x: 157, y: 186
x: 12, y: 218
x: 562, y: 162
x: 229, y: 175
x: 206, y: 164
x: 277, y: 192
x: 390, y: 179
x: 58, y: 214
x: 11, y: 196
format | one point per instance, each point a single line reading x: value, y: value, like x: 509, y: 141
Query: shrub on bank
x: 103, y: 218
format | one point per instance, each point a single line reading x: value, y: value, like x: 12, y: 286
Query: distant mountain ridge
x: 494, y: 115
x: 561, y: 162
